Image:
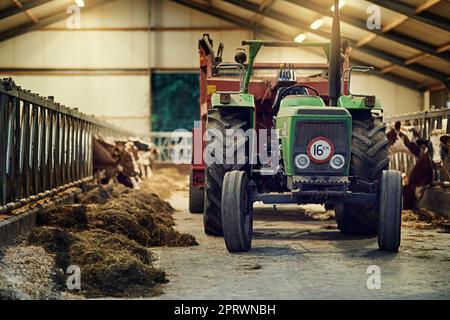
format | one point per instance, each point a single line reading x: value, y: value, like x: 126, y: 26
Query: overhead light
x: 300, y: 38
x: 80, y: 3
x: 317, y: 24
x: 341, y: 4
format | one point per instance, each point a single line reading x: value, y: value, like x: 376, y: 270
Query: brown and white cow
x: 403, y: 139
x: 432, y: 160
x: 113, y: 162
x: 146, y: 154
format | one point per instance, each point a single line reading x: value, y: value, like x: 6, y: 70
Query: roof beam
x: 369, y: 50
x: 27, y: 12
x: 392, y: 35
x: 276, y: 34
x: 444, y: 48
x: 426, y: 5
x: 264, y: 8
x: 9, y: 34
x: 394, y: 24
x: 385, y: 29
x: 418, y: 13
x: 210, y: 10
x: 417, y: 58
x: 25, y: 6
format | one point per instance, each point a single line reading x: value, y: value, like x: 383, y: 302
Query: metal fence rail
x: 425, y: 122
x: 45, y: 147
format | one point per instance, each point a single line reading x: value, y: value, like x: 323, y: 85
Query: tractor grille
x: 336, y: 131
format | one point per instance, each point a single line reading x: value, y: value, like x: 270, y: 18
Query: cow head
x: 403, y: 139
x: 437, y: 145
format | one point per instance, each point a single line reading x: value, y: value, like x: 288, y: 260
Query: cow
x: 403, y: 139
x: 146, y: 154
x: 432, y: 160
x: 113, y: 162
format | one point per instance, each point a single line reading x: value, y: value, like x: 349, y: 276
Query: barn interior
x: 100, y: 104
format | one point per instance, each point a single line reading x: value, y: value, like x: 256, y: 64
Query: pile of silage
x: 425, y: 219
x: 107, y: 235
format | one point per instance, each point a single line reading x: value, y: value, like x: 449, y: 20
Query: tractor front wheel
x: 219, y: 121
x: 237, y: 212
x: 390, y: 211
x: 369, y: 159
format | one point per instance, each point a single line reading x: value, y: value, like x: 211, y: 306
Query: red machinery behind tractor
x: 263, y: 86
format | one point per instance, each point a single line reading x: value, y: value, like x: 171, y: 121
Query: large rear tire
x: 390, y: 211
x: 369, y: 158
x: 237, y: 212
x: 221, y: 120
x: 196, y: 196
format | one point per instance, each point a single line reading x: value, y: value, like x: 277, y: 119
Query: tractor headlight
x: 301, y: 161
x: 337, y: 162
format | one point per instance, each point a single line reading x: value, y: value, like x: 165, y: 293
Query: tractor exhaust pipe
x: 335, y: 68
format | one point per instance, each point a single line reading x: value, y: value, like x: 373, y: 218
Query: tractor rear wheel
x: 237, y: 212
x: 221, y: 120
x: 196, y: 194
x: 390, y: 211
x: 369, y: 158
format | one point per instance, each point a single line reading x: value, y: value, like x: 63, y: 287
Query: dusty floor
x: 296, y: 256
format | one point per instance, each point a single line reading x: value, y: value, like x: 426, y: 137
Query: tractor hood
x: 314, y: 139
x: 301, y: 100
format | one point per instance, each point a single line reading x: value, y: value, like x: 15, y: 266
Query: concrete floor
x: 295, y: 255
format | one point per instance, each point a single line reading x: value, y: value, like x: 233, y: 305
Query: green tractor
x: 330, y: 150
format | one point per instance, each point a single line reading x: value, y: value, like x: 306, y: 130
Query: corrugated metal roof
x: 424, y: 32
x: 441, y: 9
x: 437, y: 64
x: 404, y: 35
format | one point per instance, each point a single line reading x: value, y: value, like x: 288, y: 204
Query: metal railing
x: 45, y: 147
x: 425, y: 122
x: 173, y: 147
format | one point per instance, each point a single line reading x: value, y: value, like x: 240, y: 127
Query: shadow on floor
x: 285, y: 214
x: 303, y: 234
x: 272, y: 251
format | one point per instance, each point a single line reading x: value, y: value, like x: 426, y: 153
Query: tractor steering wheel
x: 289, y: 91
x: 298, y: 88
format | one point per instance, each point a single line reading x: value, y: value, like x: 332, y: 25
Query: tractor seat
x: 283, y: 92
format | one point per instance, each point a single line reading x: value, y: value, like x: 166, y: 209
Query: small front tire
x: 390, y: 209
x: 237, y: 212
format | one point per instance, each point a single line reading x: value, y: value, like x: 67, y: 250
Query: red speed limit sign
x: 320, y: 149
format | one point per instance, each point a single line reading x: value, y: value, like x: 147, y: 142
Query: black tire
x: 390, y: 211
x: 237, y: 212
x: 196, y: 196
x: 369, y: 158
x: 221, y: 120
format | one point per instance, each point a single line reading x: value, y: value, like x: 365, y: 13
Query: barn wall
x: 118, y: 88
x: 395, y: 98
x: 121, y: 91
